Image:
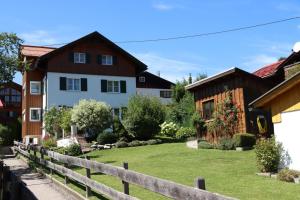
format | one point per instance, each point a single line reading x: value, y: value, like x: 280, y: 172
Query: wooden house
x: 244, y: 86
x: 283, y: 101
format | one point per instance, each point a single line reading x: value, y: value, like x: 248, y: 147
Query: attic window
x: 142, y: 79
x: 79, y: 57
x: 107, y: 60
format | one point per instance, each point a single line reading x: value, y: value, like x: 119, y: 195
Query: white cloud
x: 162, y: 6
x: 289, y: 7
x: 38, y: 37
x: 171, y: 69
x: 256, y: 62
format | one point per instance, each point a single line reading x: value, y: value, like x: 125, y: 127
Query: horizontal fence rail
x: 157, y: 185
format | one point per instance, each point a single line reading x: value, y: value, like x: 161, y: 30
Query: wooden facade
x: 10, y: 97
x: 152, y: 81
x: 245, y: 87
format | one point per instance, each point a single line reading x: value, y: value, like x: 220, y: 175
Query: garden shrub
x: 107, y: 137
x: 244, y: 140
x: 268, y: 155
x: 49, y: 143
x: 92, y: 117
x: 4, y: 135
x: 185, y: 132
x: 198, y: 123
x: 143, y: 117
x: 168, y: 129
x: 119, y: 129
x: 135, y: 143
x: 205, y: 145
x: 52, y: 119
x: 73, y: 150
x: 60, y: 150
x: 154, y: 141
x: 287, y: 175
x: 121, y: 144
x: 226, y: 144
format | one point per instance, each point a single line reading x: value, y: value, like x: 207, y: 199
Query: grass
x: 230, y: 173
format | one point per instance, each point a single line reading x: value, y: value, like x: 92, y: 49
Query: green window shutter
x: 99, y: 59
x: 103, y: 85
x: 71, y: 57
x: 87, y: 58
x: 62, y: 83
x: 115, y: 60
x: 83, y: 84
x: 123, y: 86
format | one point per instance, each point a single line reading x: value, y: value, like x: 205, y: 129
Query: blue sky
x: 50, y: 22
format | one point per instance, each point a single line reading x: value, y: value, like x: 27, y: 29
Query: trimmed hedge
x: 226, y: 144
x: 205, y: 145
x: 107, y: 137
x: 244, y: 140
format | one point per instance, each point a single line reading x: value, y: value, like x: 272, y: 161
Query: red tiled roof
x: 268, y: 69
x: 35, y: 51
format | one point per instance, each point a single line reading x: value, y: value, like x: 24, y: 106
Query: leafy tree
x: 143, y: 117
x: 200, y: 76
x: 182, y: 111
x: 65, y: 121
x: 9, y: 47
x: 52, y: 121
x: 178, y: 90
x: 92, y: 117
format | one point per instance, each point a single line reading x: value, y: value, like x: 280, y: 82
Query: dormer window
x: 79, y: 57
x: 107, y: 60
x: 142, y: 79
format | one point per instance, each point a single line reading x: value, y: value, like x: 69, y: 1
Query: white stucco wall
x: 153, y: 92
x: 288, y: 133
x: 56, y: 97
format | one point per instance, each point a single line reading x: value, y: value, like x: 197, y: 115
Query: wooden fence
x: 164, y: 187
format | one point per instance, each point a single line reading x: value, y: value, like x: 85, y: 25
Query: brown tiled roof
x: 35, y: 51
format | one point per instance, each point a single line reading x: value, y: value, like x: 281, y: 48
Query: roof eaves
x: 256, y: 102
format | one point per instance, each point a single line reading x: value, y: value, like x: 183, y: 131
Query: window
x: 107, y: 60
x: 73, y: 84
x: 35, y: 114
x: 165, y: 94
x: 208, y: 109
x: 142, y: 79
x: 79, y: 57
x: 35, y: 87
x: 113, y: 86
x: 116, y: 112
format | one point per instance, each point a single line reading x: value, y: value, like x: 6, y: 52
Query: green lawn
x: 230, y: 173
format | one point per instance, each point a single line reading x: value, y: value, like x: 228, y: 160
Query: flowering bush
x: 168, y: 129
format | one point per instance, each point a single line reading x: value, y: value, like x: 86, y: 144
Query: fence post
x: 1, y: 179
x: 88, y: 174
x: 125, y: 184
x: 51, y: 170
x: 66, y: 165
x: 200, y: 183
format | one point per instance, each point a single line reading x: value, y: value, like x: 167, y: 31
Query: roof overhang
x: 274, y: 92
x: 219, y: 76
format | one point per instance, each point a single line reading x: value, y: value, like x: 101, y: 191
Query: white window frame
x: 30, y: 116
x: 24, y: 115
x: 39, y: 84
x: 24, y: 89
x: 107, y: 60
x: 79, y: 57
x: 164, y: 92
x: 73, y: 84
x: 142, y: 79
x: 113, y: 86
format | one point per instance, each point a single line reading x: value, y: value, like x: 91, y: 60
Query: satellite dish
x: 296, y: 47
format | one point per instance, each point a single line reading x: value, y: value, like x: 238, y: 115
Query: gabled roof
x: 35, y: 51
x: 153, y: 81
x: 97, y: 35
x: 268, y: 70
x: 219, y: 76
x: 277, y: 90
